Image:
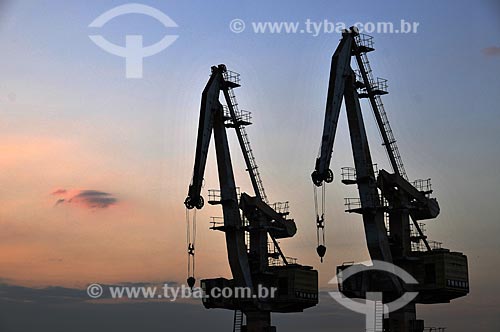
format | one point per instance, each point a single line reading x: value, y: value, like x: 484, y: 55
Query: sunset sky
x: 94, y: 167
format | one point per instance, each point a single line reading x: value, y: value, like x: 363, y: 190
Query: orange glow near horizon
x: 139, y: 237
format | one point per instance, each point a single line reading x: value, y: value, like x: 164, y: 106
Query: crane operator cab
x: 289, y: 288
x: 442, y: 275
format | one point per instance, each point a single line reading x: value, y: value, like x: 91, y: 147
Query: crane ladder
x: 252, y: 168
x: 379, y: 108
x: 238, y: 321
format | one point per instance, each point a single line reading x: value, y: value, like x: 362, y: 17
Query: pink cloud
x: 59, y: 192
x: 90, y: 199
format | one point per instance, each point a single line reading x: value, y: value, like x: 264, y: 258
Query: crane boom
x: 340, y: 66
x: 209, y: 104
x: 211, y: 119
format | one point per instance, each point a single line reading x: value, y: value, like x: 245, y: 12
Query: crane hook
x: 321, y: 250
x: 191, y: 281
x: 320, y: 221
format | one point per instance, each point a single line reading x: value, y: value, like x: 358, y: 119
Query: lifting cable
x: 191, y: 240
x: 320, y: 220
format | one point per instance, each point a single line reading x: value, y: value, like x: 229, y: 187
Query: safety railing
x: 371, y: 201
x: 364, y: 40
x: 242, y: 116
x: 435, y: 245
x: 423, y: 185
x: 417, y: 243
x: 434, y: 329
x: 349, y: 173
x: 231, y: 76
x: 214, y: 195
x: 281, y: 207
x: 216, y: 222
x: 380, y: 85
x: 275, y: 260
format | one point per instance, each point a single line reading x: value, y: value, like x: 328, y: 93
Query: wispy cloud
x: 91, y: 199
x: 59, y: 192
x: 491, y: 51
